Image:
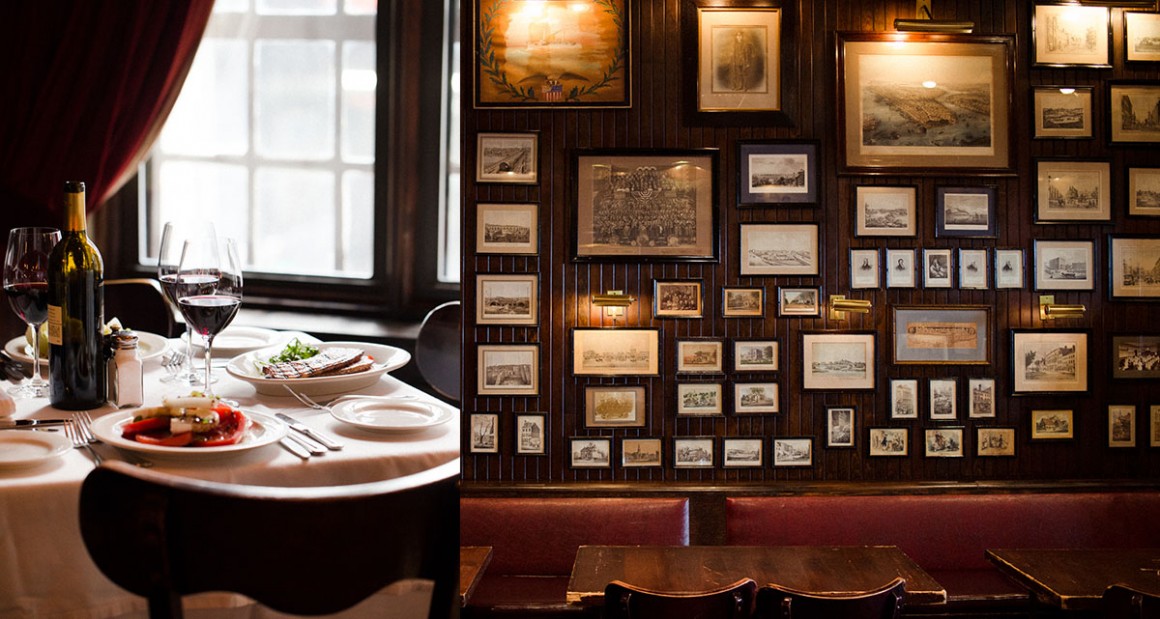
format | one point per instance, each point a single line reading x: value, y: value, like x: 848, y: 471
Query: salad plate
x: 391, y: 415
x: 247, y: 367
x: 23, y: 448
x: 149, y: 346
x: 234, y: 341
x: 263, y: 431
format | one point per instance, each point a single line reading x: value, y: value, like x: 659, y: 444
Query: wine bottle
x: 76, y: 308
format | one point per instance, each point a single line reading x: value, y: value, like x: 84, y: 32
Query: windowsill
x: 330, y: 327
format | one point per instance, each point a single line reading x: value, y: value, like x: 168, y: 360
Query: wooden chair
x: 1121, y: 601
x: 140, y: 304
x: 625, y: 601
x: 775, y: 601
x: 296, y: 550
x: 437, y: 349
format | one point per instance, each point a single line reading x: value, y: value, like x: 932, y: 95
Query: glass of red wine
x: 209, y: 290
x: 26, y: 286
x: 173, y: 237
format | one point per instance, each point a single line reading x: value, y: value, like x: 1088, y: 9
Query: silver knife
x: 8, y: 424
x: 327, y: 442
x: 294, y: 448
x: 314, y: 448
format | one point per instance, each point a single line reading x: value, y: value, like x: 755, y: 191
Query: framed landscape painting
x: 1141, y: 36
x: 1049, y: 361
x: 755, y: 355
x: 838, y: 360
x: 1052, y: 424
x: 1062, y: 112
x: 965, y: 212
x: 510, y: 158
x: 885, y: 210
x: 507, y: 229
x: 1144, y: 192
x: 799, y: 302
x: 777, y: 172
x: 700, y: 356
x: 742, y: 302
x: 779, y: 249
x: 755, y: 398
x: 507, y: 299
x: 615, y: 352
x: 1070, y: 190
x: 509, y: 369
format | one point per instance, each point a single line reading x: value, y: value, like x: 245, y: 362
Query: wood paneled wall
x: 659, y: 118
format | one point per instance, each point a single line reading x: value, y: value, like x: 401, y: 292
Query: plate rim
x: 16, y: 346
x: 58, y: 443
x: 272, y: 334
x: 376, y: 370
x: 442, y: 414
x: 276, y: 426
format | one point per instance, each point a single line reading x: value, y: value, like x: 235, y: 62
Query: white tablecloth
x: 45, y: 571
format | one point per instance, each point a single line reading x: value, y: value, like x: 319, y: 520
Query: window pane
x: 211, y: 117
x: 216, y: 191
x: 358, y: 223
x: 298, y: 204
x: 358, y: 102
x: 231, y: 6
x: 360, y: 7
x: 297, y: 7
x: 294, y: 99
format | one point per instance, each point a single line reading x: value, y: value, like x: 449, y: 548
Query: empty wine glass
x: 173, y: 238
x: 26, y: 285
x: 209, y: 290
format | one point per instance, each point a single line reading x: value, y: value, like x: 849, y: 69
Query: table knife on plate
x: 294, y: 424
x: 12, y: 424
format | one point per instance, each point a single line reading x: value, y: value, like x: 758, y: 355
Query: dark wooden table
x: 827, y: 569
x: 473, y: 561
x: 1075, y: 579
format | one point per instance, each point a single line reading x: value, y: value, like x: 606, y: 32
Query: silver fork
x: 84, y: 423
x: 306, y: 400
x: 172, y: 362
x: 79, y: 441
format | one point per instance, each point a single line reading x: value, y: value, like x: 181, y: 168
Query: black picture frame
x: 762, y: 163
x: 966, y: 212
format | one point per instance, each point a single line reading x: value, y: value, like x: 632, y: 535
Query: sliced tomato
x: 133, y: 428
x: 229, y: 430
x: 164, y: 438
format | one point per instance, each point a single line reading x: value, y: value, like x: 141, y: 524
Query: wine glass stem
x: 188, y: 370
x: 208, y: 365
x: 37, y: 381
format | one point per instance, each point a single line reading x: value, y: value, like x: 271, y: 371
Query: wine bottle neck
x: 74, y: 206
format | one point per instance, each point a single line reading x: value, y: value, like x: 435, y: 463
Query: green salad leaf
x: 295, y: 350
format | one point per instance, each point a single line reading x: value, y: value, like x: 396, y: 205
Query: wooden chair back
x: 140, y: 304
x: 625, y: 601
x: 296, y: 550
x: 437, y: 349
x: 778, y: 602
x: 1121, y: 601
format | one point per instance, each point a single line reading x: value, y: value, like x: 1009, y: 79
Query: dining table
x: 45, y: 571
x: 1075, y: 578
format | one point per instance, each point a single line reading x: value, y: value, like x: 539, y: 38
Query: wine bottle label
x: 54, y: 326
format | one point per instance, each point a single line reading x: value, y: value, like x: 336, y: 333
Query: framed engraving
x: 1064, y: 265
x: 890, y: 442
x: 904, y: 398
x: 840, y: 426
x: 1132, y: 112
x: 793, y: 452
x: 742, y: 302
x: 531, y: 435
x: 509, y: 369
x: 1071, y: 36
x: 755, y: 398
x: 591, y: 453
x: 484, y: 433
x: 779, y: 249
x: 900, y: 268
x: 885, y: 210
x: 677, y: 299
x: 799, y: 302
x: 507, y: 299
x: 944, y: 442
x: 1073, y: 191
x: 973, y: 269
x: 1052, y: 425
x: 699, y: 399
x: 1134, y: 273
x: 981, y: 398
x: 1049, y: 361
x: 615, y: 352
x: 755, y: 355
x: 936, y: 268
x: 864, y: 268
x: 693, y: 453
x: 641, y: 452
x: 507, y: 229
x: 511, y: 158
x: 838, y: 361
x: 1062, y: 112
x: 700, y: 356
x: 1144, y: 192
x: 965, y: 212
x: 739, y: 59
x: 742, y: 453
x: 777, y: 172
x: 994, y: 442
x: 1009, y: 268
x: 1121, y: 425
x: 1135, y: 357
x: 1141, y: 36
x: 942, y: 334
x: 944, y: 399
x: 615, y: 406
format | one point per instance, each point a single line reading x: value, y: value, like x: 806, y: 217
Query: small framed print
x: 944, y: 399
x: 1154, y: 432
x: 509, y: 369
x: 1069, y: 190
x: 484, y: 433
x: 973, y: 273
x: 1049, y: 361
x: 840, y: 426
x: 777, y: 172
x: 1071, y: 36
x: 591, y: 453
x: 779, y: 249
x: 1134, y: 274
x: 904, y: 398
x: 693, y: 453
x: 531, y: 435
x: 755, y: 356
x: 838, y: 361
x: 755, y: 398
x: 900, y: 268
x: 700, y: 356
x: 507, y: 229
x: 699, y: 399
x: 885, y: 210
x: 1135, y: 357
x: 507, y: 299
x: 1121, y: 425
x: 1144, y: 191
x: 1132, y: 112
x: 944, y: 442
x: 994, y: 442
x: 799, y: 302
x: 739, y: 59
x: 742, y: 453
x: 640, y: 452
x: 891, y: 442
x: 936, y: 268
x: 981, y: 398
x: 1141, y: 36
x: 965, y: 212
x: 1064, y: 265
x: 864, y: 268
x: 615, y: 352
x: 1062, y: 112
x: 793, y: 452
x: 742, y: 302
x: 941, y: 334
x: 677, y: 299
x: 1008, y: 268
x: 1052, y: 425
x: 507, y: 158
x: 620, y: 406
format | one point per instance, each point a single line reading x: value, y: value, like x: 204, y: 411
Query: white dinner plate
x: 391, y: 415
x: 263, y: 431
x: 387, y: 359
x: 149, y: 346
x: 21, y: 448
x: 233, y: 341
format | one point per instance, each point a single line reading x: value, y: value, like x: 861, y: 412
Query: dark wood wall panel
x: 659, y: 118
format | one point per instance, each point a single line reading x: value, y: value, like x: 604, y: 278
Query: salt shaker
x: 126, y: 386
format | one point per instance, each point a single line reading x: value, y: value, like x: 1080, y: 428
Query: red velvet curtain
x: 86, y: 86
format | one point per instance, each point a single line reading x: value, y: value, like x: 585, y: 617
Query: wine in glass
x: 173, y: 238
x: 209, y: 290
x: 26, y: 286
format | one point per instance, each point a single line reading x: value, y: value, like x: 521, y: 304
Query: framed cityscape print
x: 777, y: 172
x: 1132, y: 112
x: 944, y: 399
x: 562, y: 55
x: 981, y: 398
x: 793, y: 452
x: 701, y: 356
x: 1008, y: 268
x: 693, y: 452
x: 641, y: 452
x: 620, y: 406
x: 742, y: 452
x: 738, y: 59
x: 1135, y: 267
x: 799, y: 302
x: 779, y: 249
x: 994, y: 442
x: 507, y: 229
x: 1049, y: 361
x: 926, y: 105
x: 900, y: 268
x: 615, y: 352
x: 838, y: 361
x: 531, y: 435
x: 936, y: 268
x: 656, y: 204
x: 944, y: 442
x: 1141, y: 36
x: 1052, y: 425
x: 1135, y: 357
x: 742, y: 302
x: 591, y: 453
x: 973, y: 271
x: 509, y: 369
x: 755, y: 355
x: 506, y: 299
x: 1062, y: 112
x: 755, y: 398
x: 1121, y: 425
x: 885, y: 210
x: 965, y: 212
x: 864, y: 270
x: 677, y: 298
x: 840, y: 426
x: 484, y: 433
x: 511, y: 158
x: 1064, y: 265
x: 904, y: 398
x: 1071, y: 36
x: 700, y: 399
x: 889, y: 442
x: 1069, y: 191
x: 942, y: 334
x: 1144, y: 192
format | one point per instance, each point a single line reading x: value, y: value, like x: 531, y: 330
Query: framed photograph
x: 700, y: 399
x: 777, y: 172
x: 1135, y: 357
x: 1141, y: 36
x: 677, y: 299
x: 1049, y: 361
x: 531, y: 435
x: 742, y: 453
x: 779, y: 249
x: 1144, y: 192
x: 889, y: 442
x: 973, y: 272
x: 1008, y: 268
x: 936, y: 268
x: 509, y: 369
x: 1154, y: 414
x: 1072, y: 190
x: 755, y: 398
x: 615, y: 352
x: 925, y: 105
x: 1064, y: 265
x: 484, y: 433
x: 640, y: 452
x: 944, y: 442
x: 1052, y: 425
x: 980, y: 398
x: 562, y: 55
x: 838, y: 361
x: 994, y: 442
x: 1062, y: 112
x: 1121, y: 425
x: 507, y: 158
x: 738, y: 59
x: 864, y: 268
x: 1132, y: 113
x: 904, y: 398
x: 965, y: 212
x: 793, y: 452
x: 944, y: 399
x: 900, y: 268
x: 942, y: 334
x: 1134, y: 271
x: 507, y: 299
x: 654, y: 204
x: 741, y: 302
x: 799, y: 302
x: 693, y: 453
x: 885, y: 211
x: 619, y: 406
x: 755, y: 355
x: 507, y: 229
x: 591, y: 453
x: 840, y: 426
x: 700, y: 356
x: 1071, y: 35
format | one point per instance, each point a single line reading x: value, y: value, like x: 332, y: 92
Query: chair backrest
x: 140, y: 304
x: 625, y: 601
x: 162, y: 536
x: 775, y: 601
x: 1124, y: 602
x: 437, y: 349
